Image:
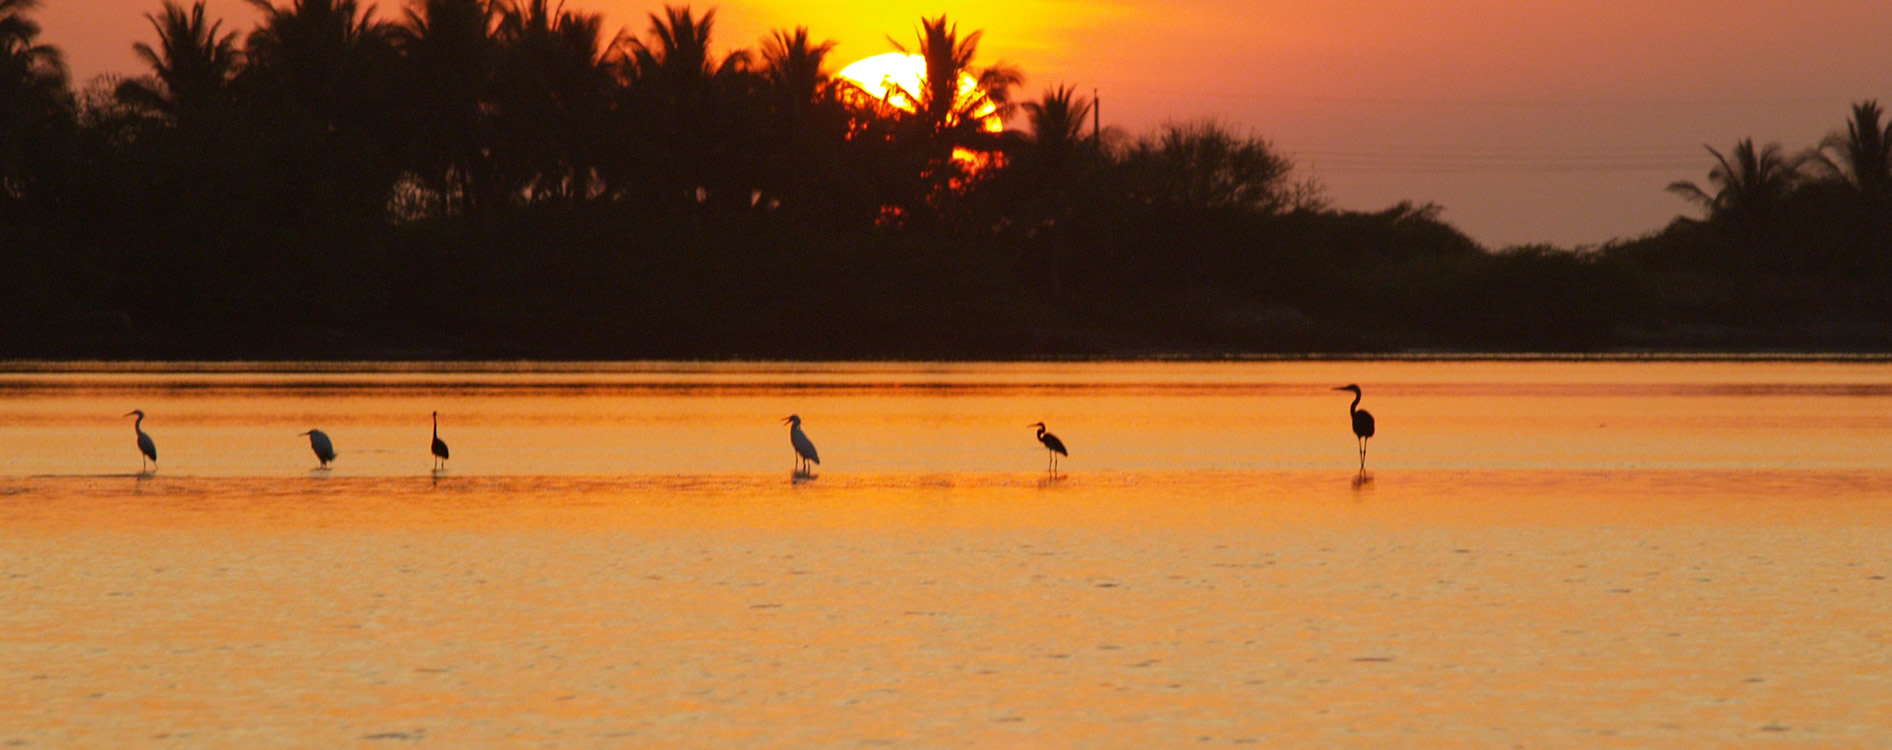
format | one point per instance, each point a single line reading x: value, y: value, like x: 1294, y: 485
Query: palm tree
x: 33, y: 93
x: 320, y: 82
x: 949, y: 117
x: 192, y: 66
x: 807, y: 125
x: 316, y: 58
x: 1750, y: 194
x: 678, y: 52
x: 947, y: 111
x: 554, y: 91
x: 691, y: 109
x: 1057, y: 121
x: 1861, y: 158
x: 449, y: 55
x: 795, y: 70
x: 1863, y: 154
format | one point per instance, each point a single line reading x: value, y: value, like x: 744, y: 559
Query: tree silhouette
x: 321, y: 77
x: 1057, y: 122
x: 1203, y: 166
x: 795, y: 70
x: 33, y: 95
x: 809, y: 154
x: 1750, y: 195
x: 192, y: 66
x: 1048, y: 169
x: 950, y: 112
x: 450, y: 56
x: 554, y: 97
x: 1862, y: 159
x: 692, y: 111
x: 317, y: 58
x: 948, y: 115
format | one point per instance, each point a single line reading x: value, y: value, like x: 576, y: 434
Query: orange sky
x: 1541, y: 121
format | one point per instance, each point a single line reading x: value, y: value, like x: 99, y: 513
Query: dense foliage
x: 482, y: 178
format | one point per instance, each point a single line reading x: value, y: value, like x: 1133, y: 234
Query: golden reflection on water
x: 901, y: 417
x: 1548, y: 554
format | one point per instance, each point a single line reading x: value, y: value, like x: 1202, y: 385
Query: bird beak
x: 1342, y: 388
x: 300, y: 434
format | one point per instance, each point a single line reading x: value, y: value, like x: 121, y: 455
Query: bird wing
x: 440, y: 448
x: 149, y: 448
x: 1363, y: 424
x: 323, y: 448
x: 1051, y: 441
x: 803, y: 446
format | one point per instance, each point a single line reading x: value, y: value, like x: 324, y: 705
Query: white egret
x: 440, y: 446
x: 1362, y: 421
x: 145, y: 446
x: 804, y: 448
x: 319, y: 442
x: 1053, y: 446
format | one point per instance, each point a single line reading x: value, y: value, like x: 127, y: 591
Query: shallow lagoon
x: 1571, y: 554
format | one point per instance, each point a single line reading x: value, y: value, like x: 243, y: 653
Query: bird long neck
x: 436, y: 426
x: 1041, y: 432
x: 1355, y: 406
x: 138, y: 424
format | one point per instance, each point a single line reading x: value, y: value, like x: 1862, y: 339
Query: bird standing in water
x: 145, y: 447
x: 324, y: 450
x: 804, y: 448
x: 1362, y: 421
x: 1053, y: 446
x: 440, y: 446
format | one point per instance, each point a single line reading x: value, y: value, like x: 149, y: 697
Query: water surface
x: 1544, y: 554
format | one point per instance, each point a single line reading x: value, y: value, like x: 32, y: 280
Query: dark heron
x: 440, y: 446
x: 1053, y: 446
x: 145, y: 446
x: 1362, y: 421
x: 325, y: 450
x: 804, y: 448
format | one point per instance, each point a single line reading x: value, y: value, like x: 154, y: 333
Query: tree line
x: 500, y: 178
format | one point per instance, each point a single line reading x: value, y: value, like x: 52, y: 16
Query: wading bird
x: 804, y: 448
x: 145, y: 446
x: 324, y: 450
x: 440, y: 446
x: 1053, y: 446
x: 1362, y: 421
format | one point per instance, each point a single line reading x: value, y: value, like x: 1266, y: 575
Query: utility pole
x: 1097, y: 119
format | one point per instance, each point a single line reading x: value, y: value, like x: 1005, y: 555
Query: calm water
x: 642, y: 419
x: 1548, y: 554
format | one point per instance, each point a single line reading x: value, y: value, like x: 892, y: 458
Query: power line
x: 1486, y: 161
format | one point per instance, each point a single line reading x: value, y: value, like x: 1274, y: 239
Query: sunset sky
x: 1554, y: 121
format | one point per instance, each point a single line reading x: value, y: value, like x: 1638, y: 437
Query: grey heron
x: 1362, y: 421
x: 1053, y: 446
x: 147, y: 448
x: 319, y: 442
x: 440, y: 446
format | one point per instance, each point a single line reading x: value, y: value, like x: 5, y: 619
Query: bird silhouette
x: 440, y: 446
x: 147, y: 448
x: 324, y: 450
x: 1053, y: 446
x: 1362, y: 421
x: 804, y: 448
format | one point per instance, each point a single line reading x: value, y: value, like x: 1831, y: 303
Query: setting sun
x: 891, y: 77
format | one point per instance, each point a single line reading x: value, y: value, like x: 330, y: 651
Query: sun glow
x: 888, y: 78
